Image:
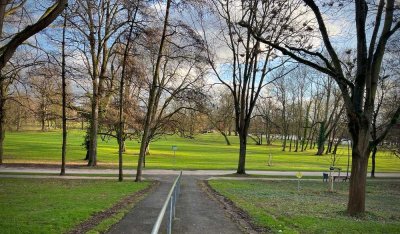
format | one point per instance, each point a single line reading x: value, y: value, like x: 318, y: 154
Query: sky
x: 340, y: 24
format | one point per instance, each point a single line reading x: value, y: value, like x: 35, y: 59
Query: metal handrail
x: 170, y: 203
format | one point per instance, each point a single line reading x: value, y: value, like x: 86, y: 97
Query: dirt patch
x: 238, y: 215
x: 93, y: 221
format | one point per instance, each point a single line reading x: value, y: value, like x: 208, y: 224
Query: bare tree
x: 43, y: 85
x: 175, y: 84
x: 152, y: 95
x: 220, y: 113
x: 10, y: 43
x: 97, y: 28
x: 281, y: 92
x: 358, y: 94
x: 132, y: 15
x: 64, y: 99
x: 332, y: 111
x: 250, y: 63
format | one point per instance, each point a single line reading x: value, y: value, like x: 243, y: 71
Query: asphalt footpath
x: 195, y: 211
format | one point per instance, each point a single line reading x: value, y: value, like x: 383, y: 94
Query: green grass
x: 206, y: 151
x: 279, y: 206
x: 56, y: 206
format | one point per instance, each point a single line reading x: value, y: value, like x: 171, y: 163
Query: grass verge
x: 102, y: 221
x: 279, y: 207
x: 57, y: 205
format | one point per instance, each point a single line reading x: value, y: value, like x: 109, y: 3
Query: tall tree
x: 132, y: 16
x: 175, y: 69
x: 8, y: 8
x: 358, y: 94
x: 64, y: 99
x: 250, y: 63
x: 152, y: 95
x: 97, y: 29
x: 331, y: 113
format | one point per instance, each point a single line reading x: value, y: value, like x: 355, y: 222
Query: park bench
x: 341, y: 178
x: 325, y: 177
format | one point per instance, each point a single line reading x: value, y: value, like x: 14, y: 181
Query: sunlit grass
x: 54, y: 205
x: 205, y: 151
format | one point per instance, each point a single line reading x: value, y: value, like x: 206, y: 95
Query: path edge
x: 97, y: 218
x: 235, y: 213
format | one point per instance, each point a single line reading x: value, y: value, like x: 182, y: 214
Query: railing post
x: 169, y: 206
x: 170, y: 216
x: 174, y: 198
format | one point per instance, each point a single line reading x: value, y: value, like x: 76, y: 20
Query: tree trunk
x: 94, y: 127
x: 121, y: 140
x: 373, y: 157
x: 148, y: 149
x: 284, y: 141
x: 303, y: 145
x: 329, y: 144
x: 2, y: 118
x: 356, y: 204
x: 303, y: 140
x: 312, y: 138
x: 321, y: 139
x: 123, y: 147
x: 320, y: 149
x: 267, y: 133
x: 87, y: 155
x: 121, y: 144
x: 329, y: 148
x: 43, y: 121
x: 146, y: 154
x: 268, y: 138
x: 226, y: 138
x: 18, y: 118
x: 360, y: 154
x: 242, y: 153
x: 336, y: 146
x: 64, y: 97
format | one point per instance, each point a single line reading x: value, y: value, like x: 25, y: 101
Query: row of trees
x: 147, y: 68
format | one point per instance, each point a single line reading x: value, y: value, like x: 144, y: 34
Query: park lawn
x: 279, y: 206
x: 205, y: 151
x: 56, y: 205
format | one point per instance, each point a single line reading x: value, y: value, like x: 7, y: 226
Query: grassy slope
x: 279, y: 206
x: 207, y: 151
x: 56, y: 206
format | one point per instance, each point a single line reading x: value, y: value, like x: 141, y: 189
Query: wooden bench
x: 341, y: 178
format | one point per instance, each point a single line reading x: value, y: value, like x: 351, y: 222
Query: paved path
x: 198, y: 214
x: 143, y: 216
x: 195, y: 211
